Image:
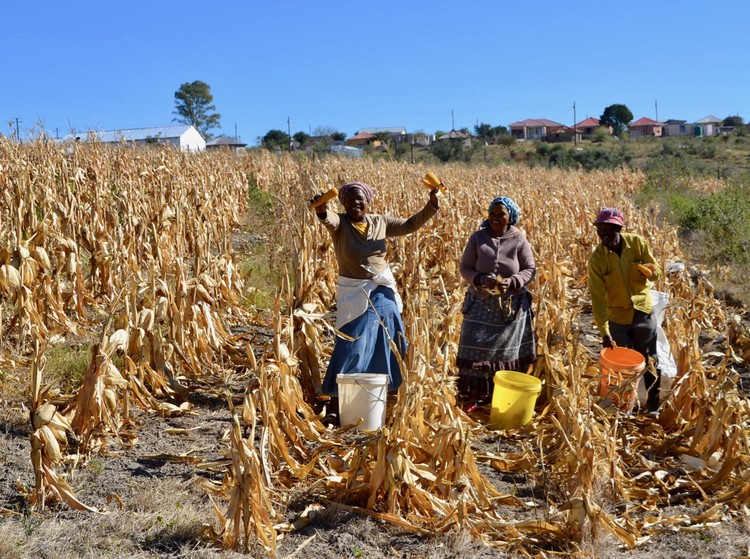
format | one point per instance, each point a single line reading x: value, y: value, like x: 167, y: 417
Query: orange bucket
x: 618, y: 366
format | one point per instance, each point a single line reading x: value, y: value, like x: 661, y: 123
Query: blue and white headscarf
x: 509, y: 204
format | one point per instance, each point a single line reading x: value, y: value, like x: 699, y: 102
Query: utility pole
x: 575, y: 130
x: 289, y: 132
x: 236, y: 138
x: 656, y: 110
x: 57, y: 133
x: 18, y: 130
x: 453, y: 122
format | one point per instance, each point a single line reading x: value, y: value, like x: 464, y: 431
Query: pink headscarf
x: 366, y: 189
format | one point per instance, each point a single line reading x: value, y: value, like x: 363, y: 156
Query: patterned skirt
x: 497, y: 334
x: 369, y: 351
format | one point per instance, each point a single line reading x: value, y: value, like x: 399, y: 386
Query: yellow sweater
x: 617, y: 287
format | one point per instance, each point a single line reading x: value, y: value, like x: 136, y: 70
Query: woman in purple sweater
x: 497, y: 331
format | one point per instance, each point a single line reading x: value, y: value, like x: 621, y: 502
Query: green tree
x: 485, y: 132
x: 735, y: 120
x: 275, y: 139
x: 301, y: 138
x: 506, y: 140
x: 617, y: 116
x: 445, y: 150
x: 194, y: 105
x: 452, y: 150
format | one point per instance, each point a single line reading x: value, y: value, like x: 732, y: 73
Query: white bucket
x: 362, y: 395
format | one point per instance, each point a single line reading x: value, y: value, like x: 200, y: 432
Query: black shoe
x: 331, y: 420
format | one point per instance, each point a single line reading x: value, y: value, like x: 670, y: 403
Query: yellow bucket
x: 513, y: 399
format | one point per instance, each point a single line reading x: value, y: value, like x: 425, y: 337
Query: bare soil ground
x: 154, y: 506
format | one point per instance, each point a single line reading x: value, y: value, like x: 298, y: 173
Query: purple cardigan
x: 507, y: 256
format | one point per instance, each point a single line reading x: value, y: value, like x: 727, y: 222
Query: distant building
x: 707, y: 126
x: 673, y: 128
x: 348, y: 151
x: 532, y: 128
x: 397, y: 133
x: 184, y: 136
x: 226, y: 143
x: 645, y: 127
x: 454, y: 135
x: 421, y: 139
x: 561, y: 133
x: 362, y: 139
x: 587, y: 126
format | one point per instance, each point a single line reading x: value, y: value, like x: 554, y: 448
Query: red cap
x: 610, y: 215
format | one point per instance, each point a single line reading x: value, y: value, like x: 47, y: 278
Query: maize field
x: 131, y: 249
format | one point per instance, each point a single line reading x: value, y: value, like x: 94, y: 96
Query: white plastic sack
x: 667, y: 364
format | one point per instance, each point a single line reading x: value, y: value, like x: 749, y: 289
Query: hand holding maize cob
x: 432, y: 182
x: 645, y: 270
x: 321, y: 199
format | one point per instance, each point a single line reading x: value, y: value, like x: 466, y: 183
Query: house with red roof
x: 587, y: 126
x: 645, y: 127
x: 533, y: 128
x: 361, y: 139
x: 561, y: 133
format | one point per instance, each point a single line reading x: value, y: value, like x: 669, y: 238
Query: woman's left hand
x: 434, y: 198
x: 503, y: 285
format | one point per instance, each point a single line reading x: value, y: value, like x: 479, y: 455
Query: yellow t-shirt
x: 617, y: 287
x: 360, y: 226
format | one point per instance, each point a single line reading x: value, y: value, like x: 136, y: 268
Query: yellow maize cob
x: 432, y: 182
x: 645, y: 270
x: 330, y: 195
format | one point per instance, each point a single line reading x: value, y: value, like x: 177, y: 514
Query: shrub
x: 725, y: 219
x: 601, y: 135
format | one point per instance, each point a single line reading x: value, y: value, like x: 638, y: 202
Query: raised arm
x: 395, y: 227
x: 330, y: 220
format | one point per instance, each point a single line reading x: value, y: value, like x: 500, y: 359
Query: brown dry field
x: 153, y: 504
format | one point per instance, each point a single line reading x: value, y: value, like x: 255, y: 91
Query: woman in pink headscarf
x: 367, y: 299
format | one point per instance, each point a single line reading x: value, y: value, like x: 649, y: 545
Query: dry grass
x: 160, y: 518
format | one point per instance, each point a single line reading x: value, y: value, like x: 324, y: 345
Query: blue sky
x: 424, y: 65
